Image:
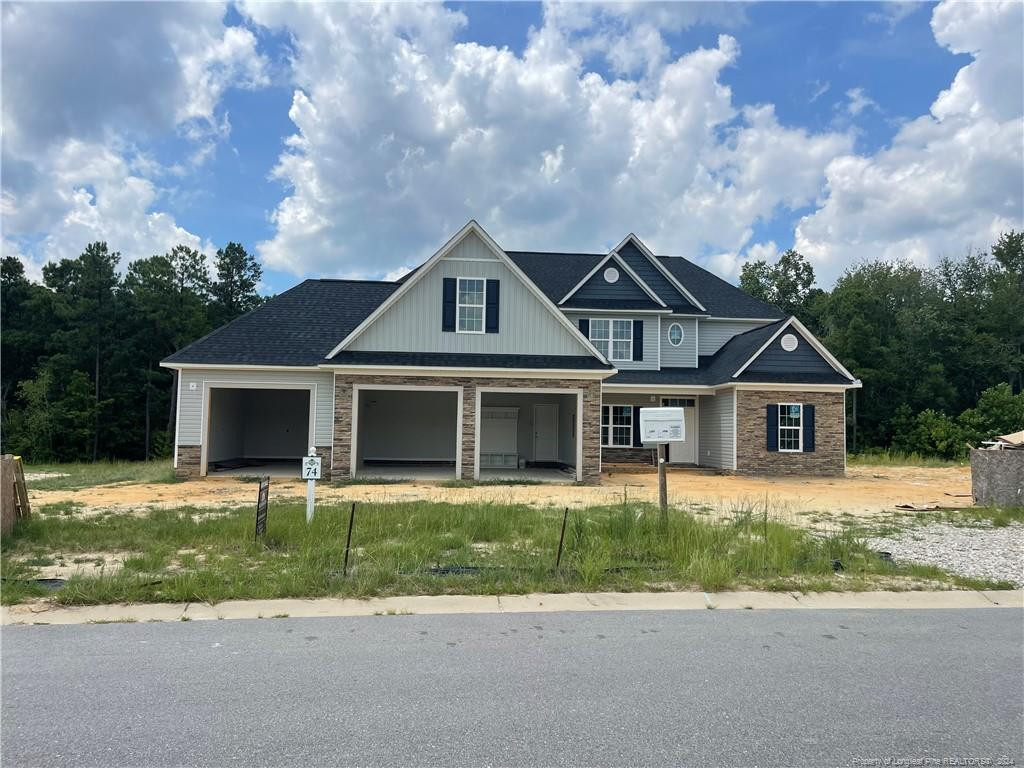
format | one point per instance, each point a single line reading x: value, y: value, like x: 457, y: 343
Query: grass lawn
x: 209, y: 555
x: 888, y: 458
x: 85, y: 474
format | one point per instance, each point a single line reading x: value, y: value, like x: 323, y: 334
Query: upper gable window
x: 613, y: 338
x: 611, y: 275
x: 472, y: 292
x: 675, y: 334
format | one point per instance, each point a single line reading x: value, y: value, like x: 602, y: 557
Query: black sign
x: 261, y: 506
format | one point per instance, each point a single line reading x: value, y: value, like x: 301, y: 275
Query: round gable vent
x: 611, y: 275
x: 789, y: 342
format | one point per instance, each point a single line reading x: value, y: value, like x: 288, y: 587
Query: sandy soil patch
x: 82, y: 564
x: 864, y: 492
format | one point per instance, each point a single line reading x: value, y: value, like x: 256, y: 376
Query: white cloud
x: 857, y: 100
x: 893, y: 12
x: 951, y: 179
x: 86, y: 87
x: 403, y: 135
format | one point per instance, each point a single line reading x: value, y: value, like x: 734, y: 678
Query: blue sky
x: 347, y: 140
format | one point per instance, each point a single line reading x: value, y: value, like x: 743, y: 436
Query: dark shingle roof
x: 719, y: 367
x: 558, y: 273
x: 469, y: 360
x: 297, y: 327
x: 555, y: 273
x: 720, y: 298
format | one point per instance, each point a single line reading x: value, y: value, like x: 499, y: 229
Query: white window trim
x: 611, y: 336
x: 609, y: 425
x: 799, y: 429
x: 459, y: 305
x: 682, y: 334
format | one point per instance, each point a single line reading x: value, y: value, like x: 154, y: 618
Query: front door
x: 686, y: 451
x: 545, y: 432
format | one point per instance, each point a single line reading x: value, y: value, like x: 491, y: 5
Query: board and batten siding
x: 685, y: 355
x: 190, y: 403
x: 650, y: 361
x: 716, y: 424
x: 525, y: 325
x: 713, y: 334
x: 803, y: 359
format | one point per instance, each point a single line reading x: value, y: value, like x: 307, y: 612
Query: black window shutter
x: 492, y: 306
x: 773, y: 426
x: 585, y: 326
x: 448, y: 304
x: 637, y: 442
x: 638, y: 339
x: 808, y: 428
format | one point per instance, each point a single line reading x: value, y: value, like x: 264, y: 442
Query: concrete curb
x: 46, y: 613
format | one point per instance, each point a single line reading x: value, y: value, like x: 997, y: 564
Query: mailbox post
x: 310, y: 473
x: 659, y: 427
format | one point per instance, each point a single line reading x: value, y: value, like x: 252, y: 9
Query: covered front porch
x: 620, y: 428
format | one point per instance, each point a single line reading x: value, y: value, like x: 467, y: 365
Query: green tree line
x: 940, y: 351
x: 80, y: 378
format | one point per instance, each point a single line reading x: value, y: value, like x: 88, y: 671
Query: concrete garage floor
x: 273, y: 468
x: 440, y: 474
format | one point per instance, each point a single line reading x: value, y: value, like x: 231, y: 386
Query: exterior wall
x: 685, y: 355
x: 190, y: 405
x: 712, y: 334
x: 715, y: 430
x: 525, y: 325
x: 829, y: 455
x: 650, y: 361
x: 628, y: 455
x: 187, y: 466
x: 591, y: 415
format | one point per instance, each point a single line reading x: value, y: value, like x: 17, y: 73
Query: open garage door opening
x: 406, y: 433
x: 528, y: 435
x: 257, y: 431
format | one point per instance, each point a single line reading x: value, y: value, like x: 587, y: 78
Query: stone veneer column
x: 341, y: 455
x: 189, y: 457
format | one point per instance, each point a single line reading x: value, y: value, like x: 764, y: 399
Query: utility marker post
x: 310, y: 473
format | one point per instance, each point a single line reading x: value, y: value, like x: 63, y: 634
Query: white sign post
x: 661, y: 426
x: 310, y: 473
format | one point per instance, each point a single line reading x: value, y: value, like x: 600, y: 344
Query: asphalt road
x: 762, y: 688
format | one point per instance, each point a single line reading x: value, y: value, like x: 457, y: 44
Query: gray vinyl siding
x: 650, y: 361
x: 716, y: 422
x: 714, y: 333
x: 685, y: 355
x: 190, y: 405
x: 803, y: 359
x: 525, y: 325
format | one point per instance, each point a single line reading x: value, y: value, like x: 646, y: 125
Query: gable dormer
x: 468, y: 298
x: 612, y: 284
x: 646, y: 265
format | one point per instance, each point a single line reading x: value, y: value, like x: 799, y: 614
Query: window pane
x: 599, y: 329
x: 622, y: 350
x: 675, y: 334
x: 471, y: 292
x: 601, y: 346
x: 622, y: 435
x: 471, y: 318
x: 789, y: 415
x: 604, y: 435
x: 789, y: 439
x: 623, y: 329
x: 623, y: 414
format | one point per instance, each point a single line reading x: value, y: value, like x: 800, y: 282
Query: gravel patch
x: 978, y: 552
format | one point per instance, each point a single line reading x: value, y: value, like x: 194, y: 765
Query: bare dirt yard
x: 865, y: 492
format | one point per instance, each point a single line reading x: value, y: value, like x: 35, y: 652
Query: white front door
x: 686, y: 451
x: 545, y: 432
